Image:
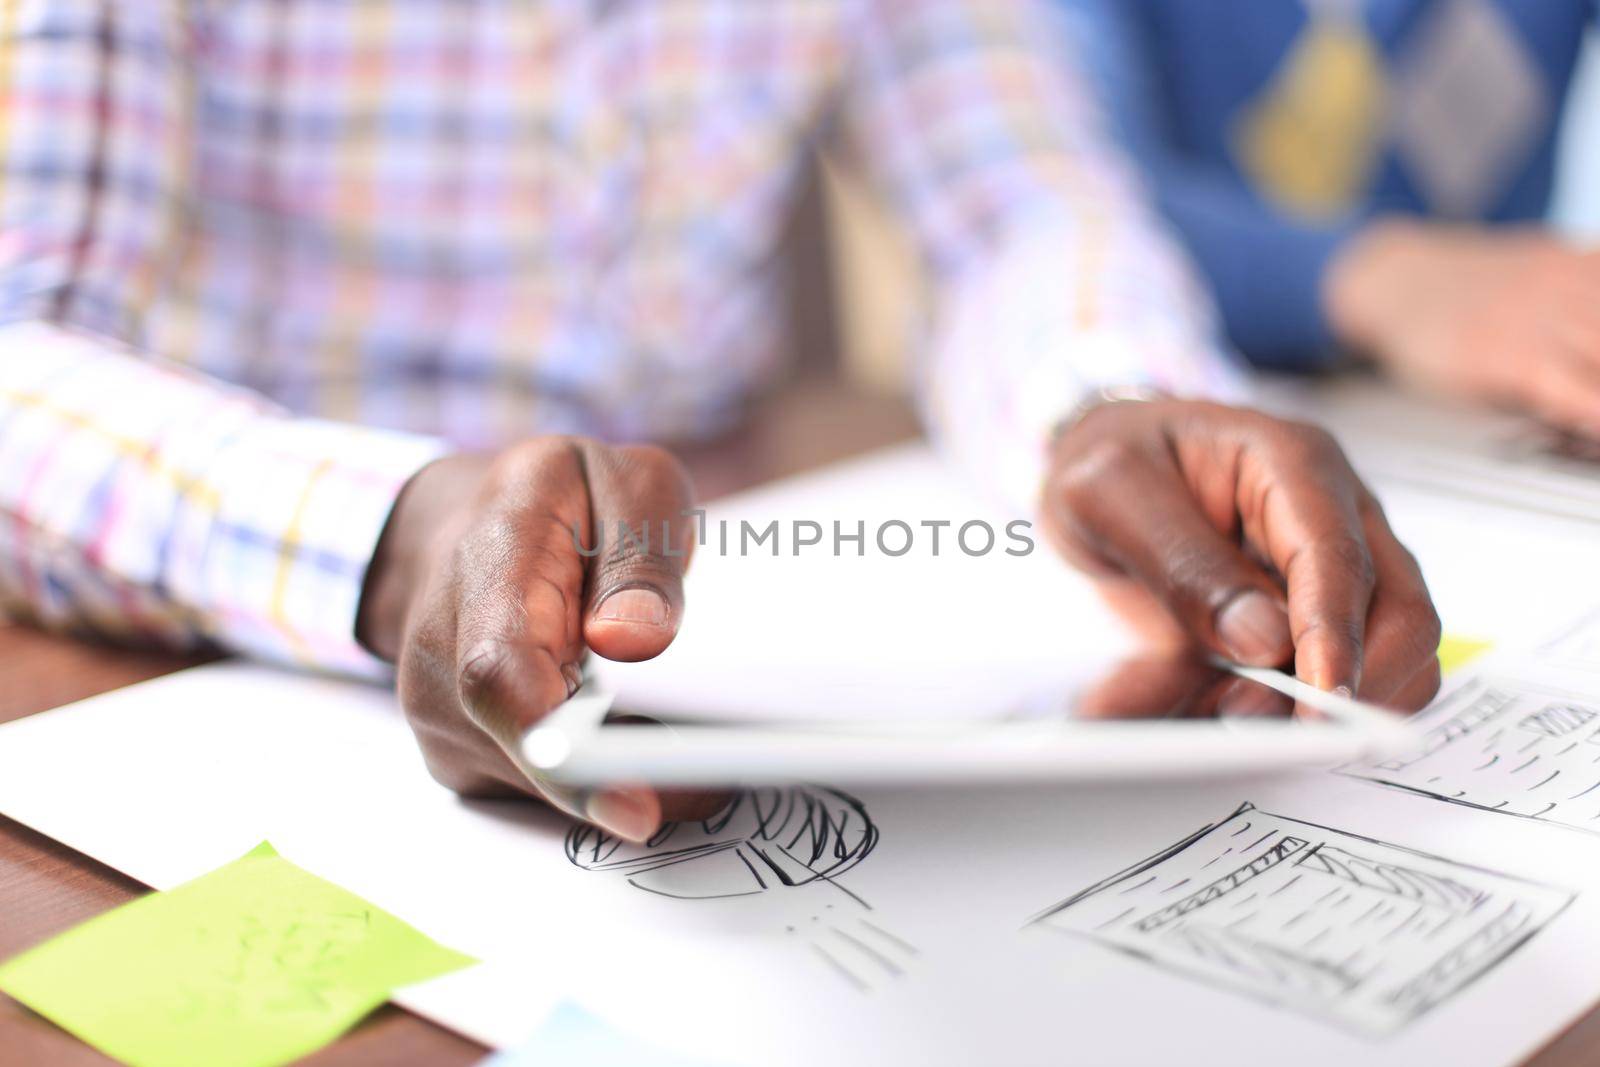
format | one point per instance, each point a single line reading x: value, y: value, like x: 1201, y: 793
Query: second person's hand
x: 1510, y: 318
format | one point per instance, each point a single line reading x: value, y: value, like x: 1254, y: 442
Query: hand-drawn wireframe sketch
x: 1365, y: 935
x: 1506, y: 746
x: 768, y: 840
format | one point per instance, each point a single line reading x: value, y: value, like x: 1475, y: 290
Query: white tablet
x: 856, y: 662
x: 1146, y: 718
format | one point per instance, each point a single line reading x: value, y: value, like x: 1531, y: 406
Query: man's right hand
x: 484, y: 592
x: 1509, y: 317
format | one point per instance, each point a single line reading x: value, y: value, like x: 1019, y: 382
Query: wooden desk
x: 46, y: 888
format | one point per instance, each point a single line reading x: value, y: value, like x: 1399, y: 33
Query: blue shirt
x: 1179, y: 75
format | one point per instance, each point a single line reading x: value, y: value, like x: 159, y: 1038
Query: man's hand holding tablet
x: 1250, y: 536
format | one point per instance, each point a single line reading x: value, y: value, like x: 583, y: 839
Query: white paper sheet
x: 794, y: 933
x: 1451, y: 448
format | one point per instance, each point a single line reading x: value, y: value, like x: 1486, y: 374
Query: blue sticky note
x: 571, y: 1037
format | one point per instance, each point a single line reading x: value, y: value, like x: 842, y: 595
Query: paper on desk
x: 257, y: 963
x: 1519, y: 738
x: 1365, y: 934
x: 1450, y: 448
x: 808, y: 924
x: 1501, y: 577
x: 886, y: 927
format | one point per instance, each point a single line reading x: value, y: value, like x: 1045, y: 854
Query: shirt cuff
x: 1267, y: 275
x: 299, y: 507
x: 143, y: 499
x: 1031, y: 332
x: 1276, y: 313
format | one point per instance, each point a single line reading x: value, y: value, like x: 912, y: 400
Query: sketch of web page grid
x: 1361, y: 934
x: 1508, y: 746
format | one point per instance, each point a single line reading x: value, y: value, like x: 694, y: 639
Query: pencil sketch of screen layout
x: 1510, y: 747
x: 1359, y: 933
x: 798, y: 842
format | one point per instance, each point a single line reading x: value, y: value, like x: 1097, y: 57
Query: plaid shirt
x: 262, y: 259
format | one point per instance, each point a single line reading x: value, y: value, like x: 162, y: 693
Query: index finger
x: 1300, y: 502
x: 1403, y: 631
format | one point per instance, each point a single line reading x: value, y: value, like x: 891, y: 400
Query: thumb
x: 639, y: 498
x: 1252, y: 627
x: 1225, y: 600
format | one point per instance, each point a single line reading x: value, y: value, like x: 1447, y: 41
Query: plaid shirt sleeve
x: 1052, y: 276
x: 138, y: 500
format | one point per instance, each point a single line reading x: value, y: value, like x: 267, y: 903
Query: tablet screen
x: 1151, y: 685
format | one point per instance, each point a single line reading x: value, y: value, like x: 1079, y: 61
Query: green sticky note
x: 1456, y: 652
x: 257, y: 963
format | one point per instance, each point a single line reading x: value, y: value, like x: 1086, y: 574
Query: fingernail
x: 624, y: 813
x: 1254, y: 628
x: 643, y: 606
